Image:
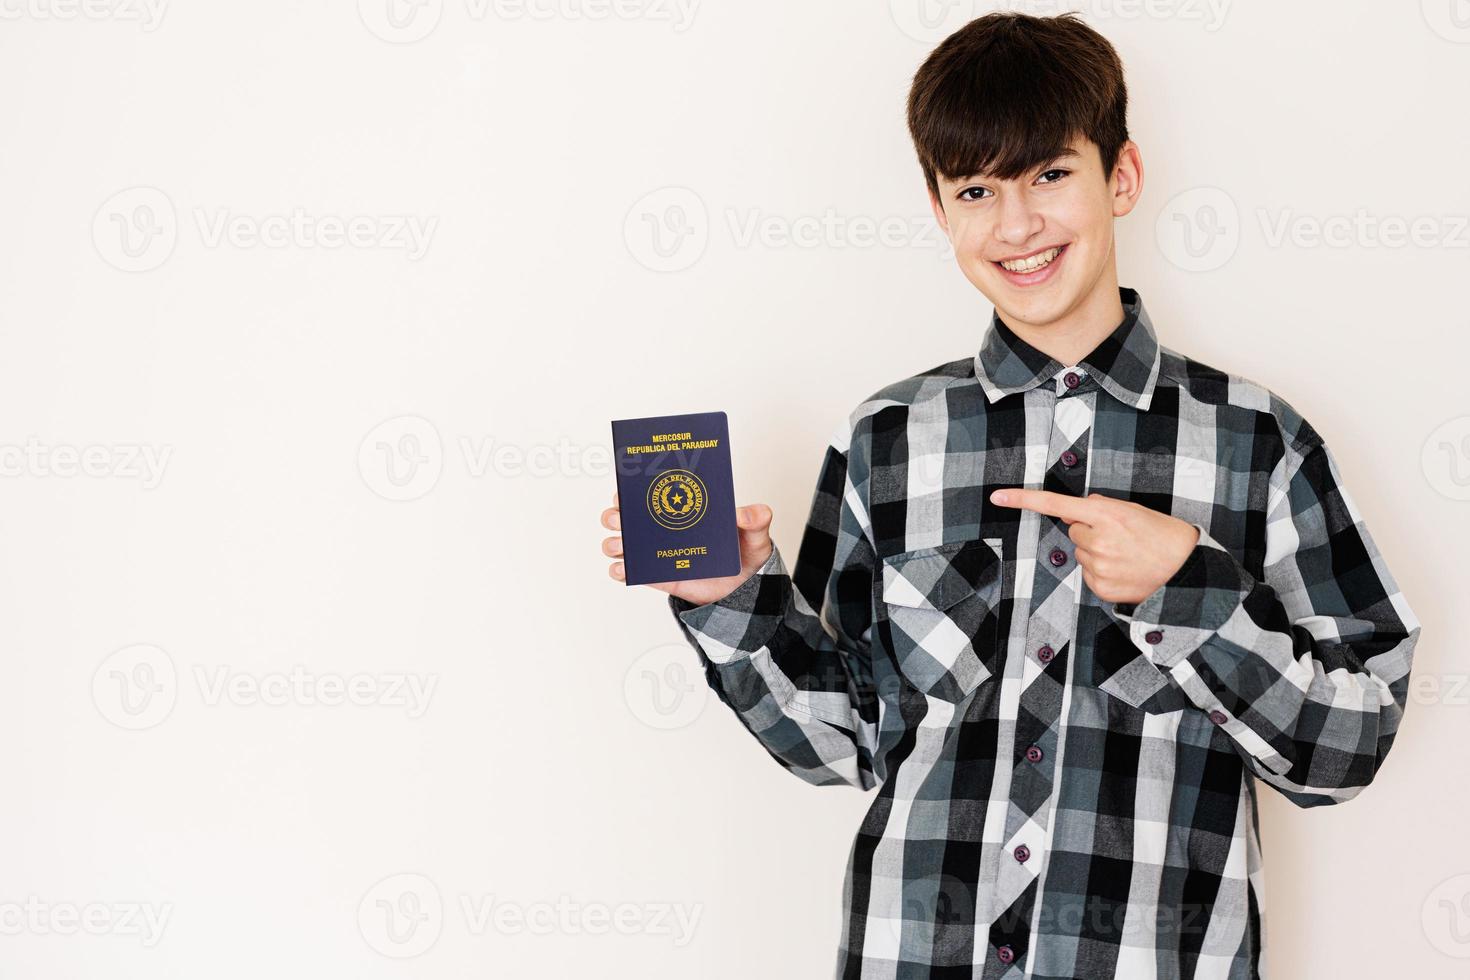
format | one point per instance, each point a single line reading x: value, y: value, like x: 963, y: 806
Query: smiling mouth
x: 1032, y: 263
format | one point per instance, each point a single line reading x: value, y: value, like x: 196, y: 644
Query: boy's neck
x: 1076, y: 334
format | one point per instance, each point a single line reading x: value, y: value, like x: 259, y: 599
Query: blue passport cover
x: 676, y: 497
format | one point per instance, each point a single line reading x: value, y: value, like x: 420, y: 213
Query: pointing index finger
x: 1062, y: 505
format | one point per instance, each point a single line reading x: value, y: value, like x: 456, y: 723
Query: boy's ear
x: 1129, y: 177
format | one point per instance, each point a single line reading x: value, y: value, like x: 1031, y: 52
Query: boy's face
x: 1062, y: 211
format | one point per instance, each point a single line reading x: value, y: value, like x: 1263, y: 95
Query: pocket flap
x: 939, y: 577
x: 1123, y: 671
x: 1136, y: 682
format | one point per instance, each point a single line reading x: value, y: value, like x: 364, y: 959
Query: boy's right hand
x: 754, y: 522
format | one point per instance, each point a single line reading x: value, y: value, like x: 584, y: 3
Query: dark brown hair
x: 1008, y: 91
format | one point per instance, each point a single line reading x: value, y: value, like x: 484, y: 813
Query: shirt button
x: 1033, y: 754
x: 1005, y: 954
x: 1045, y: 654
x: 1219, y: 717
x: 1022, y: 852
x: 1058, y: 557
x: 1072, y: 379
x: 1154, y: 636
x: 1069, y: 458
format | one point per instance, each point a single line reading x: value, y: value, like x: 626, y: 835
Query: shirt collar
x: 1125, y: 363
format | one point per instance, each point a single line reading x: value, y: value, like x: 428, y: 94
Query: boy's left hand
x: 1125, y: 549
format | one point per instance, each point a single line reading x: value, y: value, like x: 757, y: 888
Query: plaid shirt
x: 1067, y: 786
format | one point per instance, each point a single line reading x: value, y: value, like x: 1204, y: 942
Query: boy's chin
x: 1032, y: 304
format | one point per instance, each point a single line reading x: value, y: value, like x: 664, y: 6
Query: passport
x: 676, y: 495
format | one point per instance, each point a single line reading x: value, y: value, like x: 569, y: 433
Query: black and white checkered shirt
x: 1066, y: 786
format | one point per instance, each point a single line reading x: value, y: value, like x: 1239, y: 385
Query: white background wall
x: 170, y: 630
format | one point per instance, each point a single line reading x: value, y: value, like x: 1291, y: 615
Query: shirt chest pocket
x: 938, y: 610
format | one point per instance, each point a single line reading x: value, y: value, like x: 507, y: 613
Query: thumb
x: 754, y: 522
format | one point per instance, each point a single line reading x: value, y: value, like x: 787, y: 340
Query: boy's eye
x: 979, y: 193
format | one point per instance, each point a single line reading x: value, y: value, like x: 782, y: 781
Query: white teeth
x: 1034, y: 262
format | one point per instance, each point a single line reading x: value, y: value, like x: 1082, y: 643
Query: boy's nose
x: 1017, y: 222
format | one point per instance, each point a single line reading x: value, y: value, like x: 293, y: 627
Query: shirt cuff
x: 745, y: 619
x: 1181, y: 615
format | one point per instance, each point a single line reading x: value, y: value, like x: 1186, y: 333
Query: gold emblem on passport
x: 676, y: 499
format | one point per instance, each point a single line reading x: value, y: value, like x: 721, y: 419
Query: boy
x: 1064, y: 601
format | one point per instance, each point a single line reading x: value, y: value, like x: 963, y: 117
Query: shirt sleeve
x: 790, y: 654
x: 1307, y: 668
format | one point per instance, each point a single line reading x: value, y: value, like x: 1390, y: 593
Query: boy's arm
x: 1307, y: 669
x: 790, y: 654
